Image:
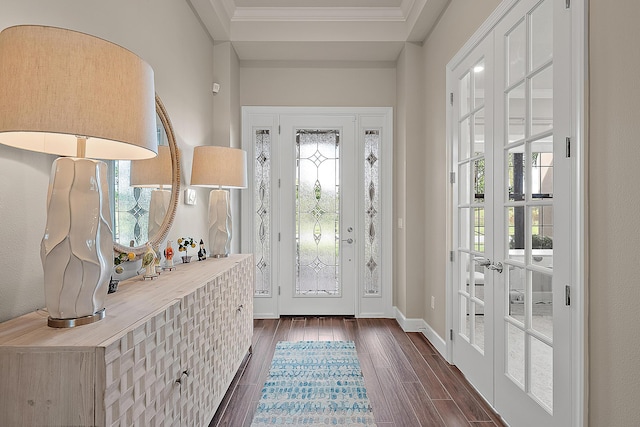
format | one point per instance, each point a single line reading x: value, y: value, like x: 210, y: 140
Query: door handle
x: 349, y: 240
x: 497, y: 267
x: 483, y: 262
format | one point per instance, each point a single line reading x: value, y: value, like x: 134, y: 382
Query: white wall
x: 166, y: 34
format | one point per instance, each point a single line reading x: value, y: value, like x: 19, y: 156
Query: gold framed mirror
x: 165, y: 133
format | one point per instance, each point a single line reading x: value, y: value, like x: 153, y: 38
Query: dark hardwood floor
x: 408, y: 382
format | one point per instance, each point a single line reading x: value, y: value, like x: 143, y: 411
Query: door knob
x: 349, y: 240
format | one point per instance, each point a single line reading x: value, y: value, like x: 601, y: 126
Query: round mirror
x: 145, y: 193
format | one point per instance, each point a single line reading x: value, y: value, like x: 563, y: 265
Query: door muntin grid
x: 471, y: 201
x: 317, y: 213
x: 528, y: 204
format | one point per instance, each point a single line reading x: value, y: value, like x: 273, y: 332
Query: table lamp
x: 71, y: 94
x: 220, y: 167
x: 154, y: 173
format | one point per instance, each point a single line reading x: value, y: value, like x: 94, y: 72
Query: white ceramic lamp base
x: 219, y: 223
x: 77, y: 247
x: 158, y: 207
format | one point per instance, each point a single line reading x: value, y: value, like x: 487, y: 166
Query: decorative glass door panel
x: 317, y: 215
x: 262, y: 212
x: 317, y: 199
x: 372, y: 213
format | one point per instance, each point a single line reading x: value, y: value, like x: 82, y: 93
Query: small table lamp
x: 154, y: 173
x: 71, y: 94
x: 219, y: 167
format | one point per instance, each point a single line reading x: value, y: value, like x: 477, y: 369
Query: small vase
x: 186, y: 258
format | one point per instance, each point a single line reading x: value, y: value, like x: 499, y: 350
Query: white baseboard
x: 420, y: 325
x: 265, y: 316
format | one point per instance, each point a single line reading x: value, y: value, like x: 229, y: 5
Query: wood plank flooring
x: 408, y: 382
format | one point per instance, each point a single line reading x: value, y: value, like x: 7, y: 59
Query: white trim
x: 420, y: 325
x: 579, y: 346
x: 265, y: 316
x: 318, y: 14
x: 481, y: 33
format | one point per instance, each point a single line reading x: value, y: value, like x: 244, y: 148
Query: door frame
x: 578, y: 62
x: 366, y: 118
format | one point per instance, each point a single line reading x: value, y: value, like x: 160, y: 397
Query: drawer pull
x: 240, y: 307
x: 185, y: 373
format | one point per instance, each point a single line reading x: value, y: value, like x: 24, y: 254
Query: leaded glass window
x: 372, y: 212
x: 262, y: 217
x: 317, y: 213
x: 130, y: 207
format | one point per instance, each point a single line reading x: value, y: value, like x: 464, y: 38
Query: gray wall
x: 614, y: 203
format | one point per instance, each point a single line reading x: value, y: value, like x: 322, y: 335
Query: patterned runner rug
x: 314, y: 383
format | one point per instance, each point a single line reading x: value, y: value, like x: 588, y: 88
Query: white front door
x: 513, y: 210
x: 317, y: 213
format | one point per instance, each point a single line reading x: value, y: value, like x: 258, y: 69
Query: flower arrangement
x: 183, y: 246
x: 120, y: 258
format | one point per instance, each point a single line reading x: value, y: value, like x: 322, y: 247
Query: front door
x: 317, y: 219
x: 317, y: 214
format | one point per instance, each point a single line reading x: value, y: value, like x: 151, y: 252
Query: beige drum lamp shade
x: 219, y: 167
x: 58, y: 84
x: 153, y: 173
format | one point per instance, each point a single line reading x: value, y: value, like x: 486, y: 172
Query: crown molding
x: 318, y: 14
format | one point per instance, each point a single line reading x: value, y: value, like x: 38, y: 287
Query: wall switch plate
x: 433, y: 302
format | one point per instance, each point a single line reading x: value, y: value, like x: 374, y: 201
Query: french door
x: 474, y: 200
x: 317, y: 214
x: 512, y: 214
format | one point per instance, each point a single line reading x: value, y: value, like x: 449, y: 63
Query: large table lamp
x: 220, y: 167
x: 155, y: 173
x: 71, y: 94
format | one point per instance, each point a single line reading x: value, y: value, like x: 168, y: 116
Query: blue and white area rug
x: 314, y: 383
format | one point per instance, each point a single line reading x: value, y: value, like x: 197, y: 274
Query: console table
x: 165, y: 354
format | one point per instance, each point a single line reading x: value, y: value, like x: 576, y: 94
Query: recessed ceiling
x: 318, y: 3
x: 319, y: 30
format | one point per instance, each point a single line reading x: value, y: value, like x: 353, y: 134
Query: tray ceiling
x: 318, y: 30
